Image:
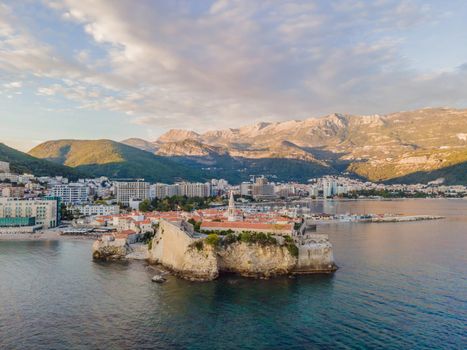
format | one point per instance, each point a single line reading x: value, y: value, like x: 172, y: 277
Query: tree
x: 65, y: 213
x: 145, y: 206
x: 212, y: 239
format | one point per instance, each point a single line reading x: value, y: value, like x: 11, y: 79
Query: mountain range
x: 407, y: 147
x: 421, y: 145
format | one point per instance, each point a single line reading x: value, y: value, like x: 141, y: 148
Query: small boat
x: 159, y: 279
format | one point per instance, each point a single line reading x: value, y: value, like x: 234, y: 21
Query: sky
x: 89, y: 69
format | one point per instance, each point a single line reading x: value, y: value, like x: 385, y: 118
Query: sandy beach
x: 41, y: 236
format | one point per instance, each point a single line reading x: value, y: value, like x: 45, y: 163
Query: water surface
x: 400, y: 285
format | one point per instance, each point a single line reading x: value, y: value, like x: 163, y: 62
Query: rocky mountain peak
x: 178, y: 135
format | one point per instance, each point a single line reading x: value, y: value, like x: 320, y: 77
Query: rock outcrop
x: 315, y: 255
x: 199, y: 265
x: 110, y: 249
x: 190, y: 256
x: 255, y: 260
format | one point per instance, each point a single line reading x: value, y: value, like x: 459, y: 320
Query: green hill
x: 24, y: 163
x: 114, y: 160
x: 237, y: 169
x: 455, y: 174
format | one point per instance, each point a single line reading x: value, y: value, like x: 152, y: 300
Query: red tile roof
x: 126, y: 233
x: 246, y: 225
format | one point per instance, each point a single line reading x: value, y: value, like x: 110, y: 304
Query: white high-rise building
x: 160, y: 190
x: 314, y: 191
x: 126, y: 190
x: 189, y: 189
x: 327, y: 188
x: 73, y: 193
x: 195, y: 189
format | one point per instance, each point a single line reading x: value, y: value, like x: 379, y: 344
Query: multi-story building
x: 314, y: 191
x: 195, y: 189
x: 73, y: 193
x: 101, y: 210
x: 246, y: 189
x: 13, y: 192
x: 17, y: 212
x: 135, y: 189
x: 327, y: 188
x: 160, y: 190
x: 285, y: 190
x: 261, y: 189
x: 188, y: 189
x: 172, y: 190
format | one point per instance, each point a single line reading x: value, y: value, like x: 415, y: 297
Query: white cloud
x: 46, y: 91
x: 184, y: 64
x: 13, y: 85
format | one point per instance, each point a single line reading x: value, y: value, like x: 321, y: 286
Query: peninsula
x: 247, y: 248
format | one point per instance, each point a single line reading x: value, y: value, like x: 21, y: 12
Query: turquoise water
x: 399, y: 286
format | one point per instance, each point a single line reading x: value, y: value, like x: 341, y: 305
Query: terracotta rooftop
x: 125, y: 233
x: 246, y: 225
x: 143, y: 222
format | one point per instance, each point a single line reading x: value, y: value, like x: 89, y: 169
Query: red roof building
x: 240, y: 226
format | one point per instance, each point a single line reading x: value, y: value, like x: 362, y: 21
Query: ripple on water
x: 398, y: 286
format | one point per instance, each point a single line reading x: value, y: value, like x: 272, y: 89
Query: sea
x: 399, y: 286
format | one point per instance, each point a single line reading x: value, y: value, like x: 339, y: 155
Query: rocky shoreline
x: 202, y: 259
x: 196, y: 258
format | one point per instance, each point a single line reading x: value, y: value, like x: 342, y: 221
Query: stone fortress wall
x: 174, y: 246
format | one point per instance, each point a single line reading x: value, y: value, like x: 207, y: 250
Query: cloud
x: 223, y: 63
x: 13, y: 85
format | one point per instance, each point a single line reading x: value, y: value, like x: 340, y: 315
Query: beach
x: 42, y: 235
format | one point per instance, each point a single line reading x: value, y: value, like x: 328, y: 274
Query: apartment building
x: 189, y: 189
x: 195, y: 189
x: 135, y: 189
x: 73, y: 193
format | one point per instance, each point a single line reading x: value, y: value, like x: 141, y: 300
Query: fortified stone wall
x: 174, y: 248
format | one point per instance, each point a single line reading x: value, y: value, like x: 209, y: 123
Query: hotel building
x: 17, y: 213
